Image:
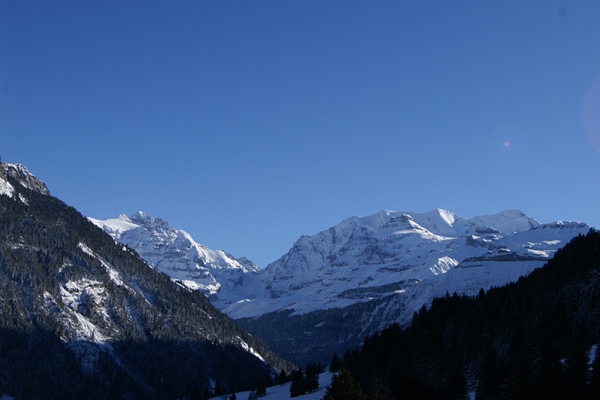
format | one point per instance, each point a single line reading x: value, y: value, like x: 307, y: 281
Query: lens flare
x: 508, y: 147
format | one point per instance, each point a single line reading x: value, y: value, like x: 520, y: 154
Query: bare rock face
x: 23, y: 176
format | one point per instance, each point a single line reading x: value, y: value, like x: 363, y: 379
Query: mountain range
x: 332, y: 289
x: 101, y: 295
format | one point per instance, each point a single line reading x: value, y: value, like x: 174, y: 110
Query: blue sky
x: 251, y: 123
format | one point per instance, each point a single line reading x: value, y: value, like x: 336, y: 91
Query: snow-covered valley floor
x: 282, y: 392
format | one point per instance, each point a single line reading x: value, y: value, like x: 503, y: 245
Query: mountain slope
x: 334, y: 288
x: 536, y: 338
x: 75, y: 304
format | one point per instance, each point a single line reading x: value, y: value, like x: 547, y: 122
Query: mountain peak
x: 216, y: 273
x: 446, y: 216
x: 149, y: 222
x: 21, y: 174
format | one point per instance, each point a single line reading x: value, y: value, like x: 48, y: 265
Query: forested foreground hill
x: 535, y: 338
x: 84, y: 317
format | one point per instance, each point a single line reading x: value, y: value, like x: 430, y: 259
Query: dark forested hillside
x: 324, y: 332
x: 84, y: 317
x: 535, y: 338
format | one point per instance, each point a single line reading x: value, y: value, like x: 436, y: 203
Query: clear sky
x: 251, y: 123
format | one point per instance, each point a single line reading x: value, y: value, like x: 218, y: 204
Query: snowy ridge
x: 409, y: 257
x: 217, y: 274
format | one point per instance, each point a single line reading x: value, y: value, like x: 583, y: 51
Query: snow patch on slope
x: 282, y: 392
x: 115, y: 276
x: 84, y: 338
x: 443, y: 265
x: 6, y: 188
x: 250, y: 350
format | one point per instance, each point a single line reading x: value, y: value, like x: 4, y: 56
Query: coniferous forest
x: 83, y: 317
x: 533, y: 339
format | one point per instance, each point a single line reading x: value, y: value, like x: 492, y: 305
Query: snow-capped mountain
x: 394, y: 253
x: 364, y: 273
x: 217, y: 274
x: 336, y: 287
x: 360, y: 259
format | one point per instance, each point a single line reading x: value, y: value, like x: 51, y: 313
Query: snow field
x: 282, y: 392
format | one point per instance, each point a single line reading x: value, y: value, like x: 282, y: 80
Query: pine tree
x: 577, y: 368
x: 343, y: 387
x: 320, y: 368
x: 282, y: 378
x: 336, y: 364
x: 196, y: 394
x: 312, y: 378
x: 262, y: 390
x: 297, y: 388
x: 218, y: 388
x: 379, y: 390
x: 456, y: 384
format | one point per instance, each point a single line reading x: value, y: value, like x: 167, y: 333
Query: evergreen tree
x: 297, y: 388
x: 378, y: 390
x: 577, y: 368
x: 343, y: 387
x: 456, y: 384
x: 320, y: 368
x: 196, y: 394
x: 282, y: 378
x: 218, y: 388
x: 336, y: 364
x: 312, y: 378
x: 262, y: 390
